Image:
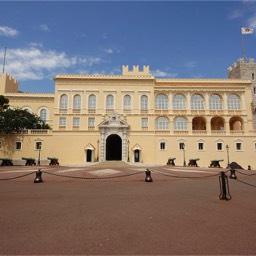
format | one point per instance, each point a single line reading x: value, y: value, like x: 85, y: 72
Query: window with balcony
x: 215, y: 102
x: 77, y: 102
x: 76, y: 122
x: 110, y: 102
x: 144, y: 102
x: 127, y: 102
x: 64, y: 101
x: 234, y: 102
x: 62, y: 121
x: 197, y: 102
x: 180, y: 124
x: 162, y: 123
x: 161, y: 102
x: 179, y: 102
x: 43, y: 115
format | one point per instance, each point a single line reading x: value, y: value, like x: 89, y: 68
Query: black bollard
x: 148, y: 176
x: 232, y: 174
x: 38, y: 178
x: 224, y: 187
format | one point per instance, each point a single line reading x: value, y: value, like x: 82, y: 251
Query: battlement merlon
x: 135, y: 71
x: 8, y: 84
x: 240, y: 62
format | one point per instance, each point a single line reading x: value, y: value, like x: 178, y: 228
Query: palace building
x: 135, y: 117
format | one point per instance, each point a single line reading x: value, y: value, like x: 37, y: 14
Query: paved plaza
x: 109, y: 209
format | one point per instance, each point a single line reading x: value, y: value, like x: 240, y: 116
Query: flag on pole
x: 246, y: 30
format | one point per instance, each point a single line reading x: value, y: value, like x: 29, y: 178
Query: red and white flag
x: 246, y: 30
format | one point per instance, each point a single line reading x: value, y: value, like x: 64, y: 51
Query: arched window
x: 197, y: 102
x: 110, y: 102
x: 92, y: 102
x: 234, y: 102
x: 179, y: 102
x: 162, y: 123
x: 180, y: 123
x: 77, y: 102
x: 64, y: 101
x: 161, y: 101
x: 144, y: 102
x: 43, y: 115
x: 28, y: 109
x: 215, y: 102
x: 127, y: 102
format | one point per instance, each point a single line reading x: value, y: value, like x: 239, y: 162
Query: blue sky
x: 177, y: 39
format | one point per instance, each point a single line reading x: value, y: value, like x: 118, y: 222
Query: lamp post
x: 39, y: 153
x: 183, y: 147
x: 98, y: 150
x: 227, y: 148
x: 128, y: 143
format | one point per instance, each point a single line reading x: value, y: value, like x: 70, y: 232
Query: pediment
x: 114, y: 120
x: 89, y: 146
x: 136, y: 147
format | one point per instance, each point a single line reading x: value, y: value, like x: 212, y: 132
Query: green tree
x: 4, y: 103
x: 16, y: 120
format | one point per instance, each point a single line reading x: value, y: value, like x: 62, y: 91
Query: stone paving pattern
x: 126, y: 215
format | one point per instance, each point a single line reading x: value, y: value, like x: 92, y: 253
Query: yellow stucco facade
x: 138, y: 118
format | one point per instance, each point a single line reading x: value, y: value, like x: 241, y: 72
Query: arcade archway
x: 114, y: 148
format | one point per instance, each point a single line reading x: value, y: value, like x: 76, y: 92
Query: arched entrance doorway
x: 113, y: 148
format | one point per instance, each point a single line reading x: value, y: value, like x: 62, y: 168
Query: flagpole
x: 4, y: 58
x: 242, y: 38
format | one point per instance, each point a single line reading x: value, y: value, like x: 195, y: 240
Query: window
x: 144, y: 102
x: 127, y: 102
x: 162, y: 123
x: 252, y: 76
x: 179, y: 102
x: 43, y: 115
x: 161, y: 101
x: 215, y: 102
x: 238, y: 146
x: 180, y: 124
x: 62, y: 121
x: 77, y: 102
x: 38, y: 145
x: 76, y: 121
x: 162, y: 145
x: 181, y: 146
x: 197, y: 102
x: 144, y: 122
x: 91, y: 121
x: 110, y: 102
x: 64, y: 101
x: 92, y: 102
x: 219, y: 146
x: 234, y: 102
x: 200, y: 146
x: 18, y: 145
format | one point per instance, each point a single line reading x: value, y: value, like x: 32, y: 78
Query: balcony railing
x: 199, y: 131
x: 180, y: 132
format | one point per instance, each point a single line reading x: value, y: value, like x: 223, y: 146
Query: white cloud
x: 252, y: 22
x: 44, y: 27
x: 191, y: 64
x: 35, y: 63
x: 159, y: 73
x: 109, y: 51
x: 236, y: 14
x: 7, y: 31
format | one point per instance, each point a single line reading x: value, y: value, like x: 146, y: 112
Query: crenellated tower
x: 246, y: 69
